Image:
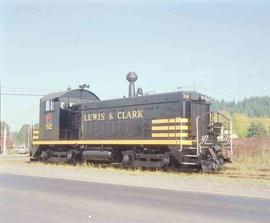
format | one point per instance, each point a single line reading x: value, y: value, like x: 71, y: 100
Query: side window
x: 64, y: 104
x: 52, y: 105
x: 49, y: 105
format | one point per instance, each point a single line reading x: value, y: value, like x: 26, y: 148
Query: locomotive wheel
x: 45, y: 155
x: 167, y: 161
x: 72, y: 157
x: 128, y: 158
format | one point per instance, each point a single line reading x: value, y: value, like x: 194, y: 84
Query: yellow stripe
x: 157, y: 135
x: 35, y: 137
x: 36, y: 132
x: 171, y: 120
x: 169, y: 127
x: 114, y: 142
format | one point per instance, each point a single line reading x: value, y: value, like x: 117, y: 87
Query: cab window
x: 49, y: 105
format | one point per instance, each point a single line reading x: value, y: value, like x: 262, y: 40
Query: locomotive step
x: 117, y: 164
x: 189, y: 151
x: 191, y: 155
x: 192, y: 164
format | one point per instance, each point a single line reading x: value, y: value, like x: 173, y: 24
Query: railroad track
x: 259, y: 176
x: 262, y: 175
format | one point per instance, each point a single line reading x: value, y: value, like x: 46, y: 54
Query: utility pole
x: 5, y: 140
x: 28, y: 137
x: 1, y: 74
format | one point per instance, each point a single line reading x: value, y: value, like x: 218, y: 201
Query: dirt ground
x: 213, y: 183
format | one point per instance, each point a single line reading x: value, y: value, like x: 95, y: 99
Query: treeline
x: 16, y: 137
x: 250, y: 116
x: 253, y: 106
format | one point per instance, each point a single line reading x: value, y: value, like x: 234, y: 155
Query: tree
x: 5, y: 134
x: 256, y: 130
x: 4, y: 125
x: 22, y: 135
x: 253, y: 106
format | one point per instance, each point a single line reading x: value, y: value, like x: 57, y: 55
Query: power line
x: 27, y: 89
x: 218, y: 93
x: 23, y: 113
x: 22, y: 94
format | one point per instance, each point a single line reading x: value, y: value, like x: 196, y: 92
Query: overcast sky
x: 221, y: 46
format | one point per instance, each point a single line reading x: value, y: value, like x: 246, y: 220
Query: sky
x: 222, y: 48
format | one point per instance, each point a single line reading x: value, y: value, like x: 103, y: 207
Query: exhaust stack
x: 131, y: 77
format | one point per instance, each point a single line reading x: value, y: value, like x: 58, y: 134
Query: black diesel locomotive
x: 168, y: 130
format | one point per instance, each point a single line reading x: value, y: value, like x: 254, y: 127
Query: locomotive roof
x: 76, y: 93
x: 146, y: 99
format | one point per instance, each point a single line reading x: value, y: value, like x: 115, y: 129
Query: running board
x: 148, y: 164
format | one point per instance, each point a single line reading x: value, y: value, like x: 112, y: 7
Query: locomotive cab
x: 55, y: 108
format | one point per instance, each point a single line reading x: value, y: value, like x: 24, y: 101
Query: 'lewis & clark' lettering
x: 137, y: 114
x: 130, y: 115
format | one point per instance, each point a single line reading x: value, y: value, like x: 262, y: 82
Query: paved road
x: 35, y: 199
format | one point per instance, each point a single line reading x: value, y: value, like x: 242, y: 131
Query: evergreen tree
x: 253, y: 106
x: 22, y: 135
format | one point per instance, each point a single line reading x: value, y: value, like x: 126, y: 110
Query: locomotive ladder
x: 189, y: 159
x: 202, y: 140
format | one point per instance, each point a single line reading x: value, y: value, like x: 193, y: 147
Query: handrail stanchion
x: 197, y: 134
x: 231, y: 136
x: 181, y: 135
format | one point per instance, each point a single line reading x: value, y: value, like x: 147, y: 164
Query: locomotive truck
x: 160, y: 130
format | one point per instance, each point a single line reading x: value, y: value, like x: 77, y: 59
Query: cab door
x: 49, y: 119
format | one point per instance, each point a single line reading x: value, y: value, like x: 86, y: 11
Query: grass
x: 258, y: 162
x: 239, y: 166
x: 151, y: 178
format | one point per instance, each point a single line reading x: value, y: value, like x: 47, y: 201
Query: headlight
x: 204, y: 98
x: 186, y: 96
